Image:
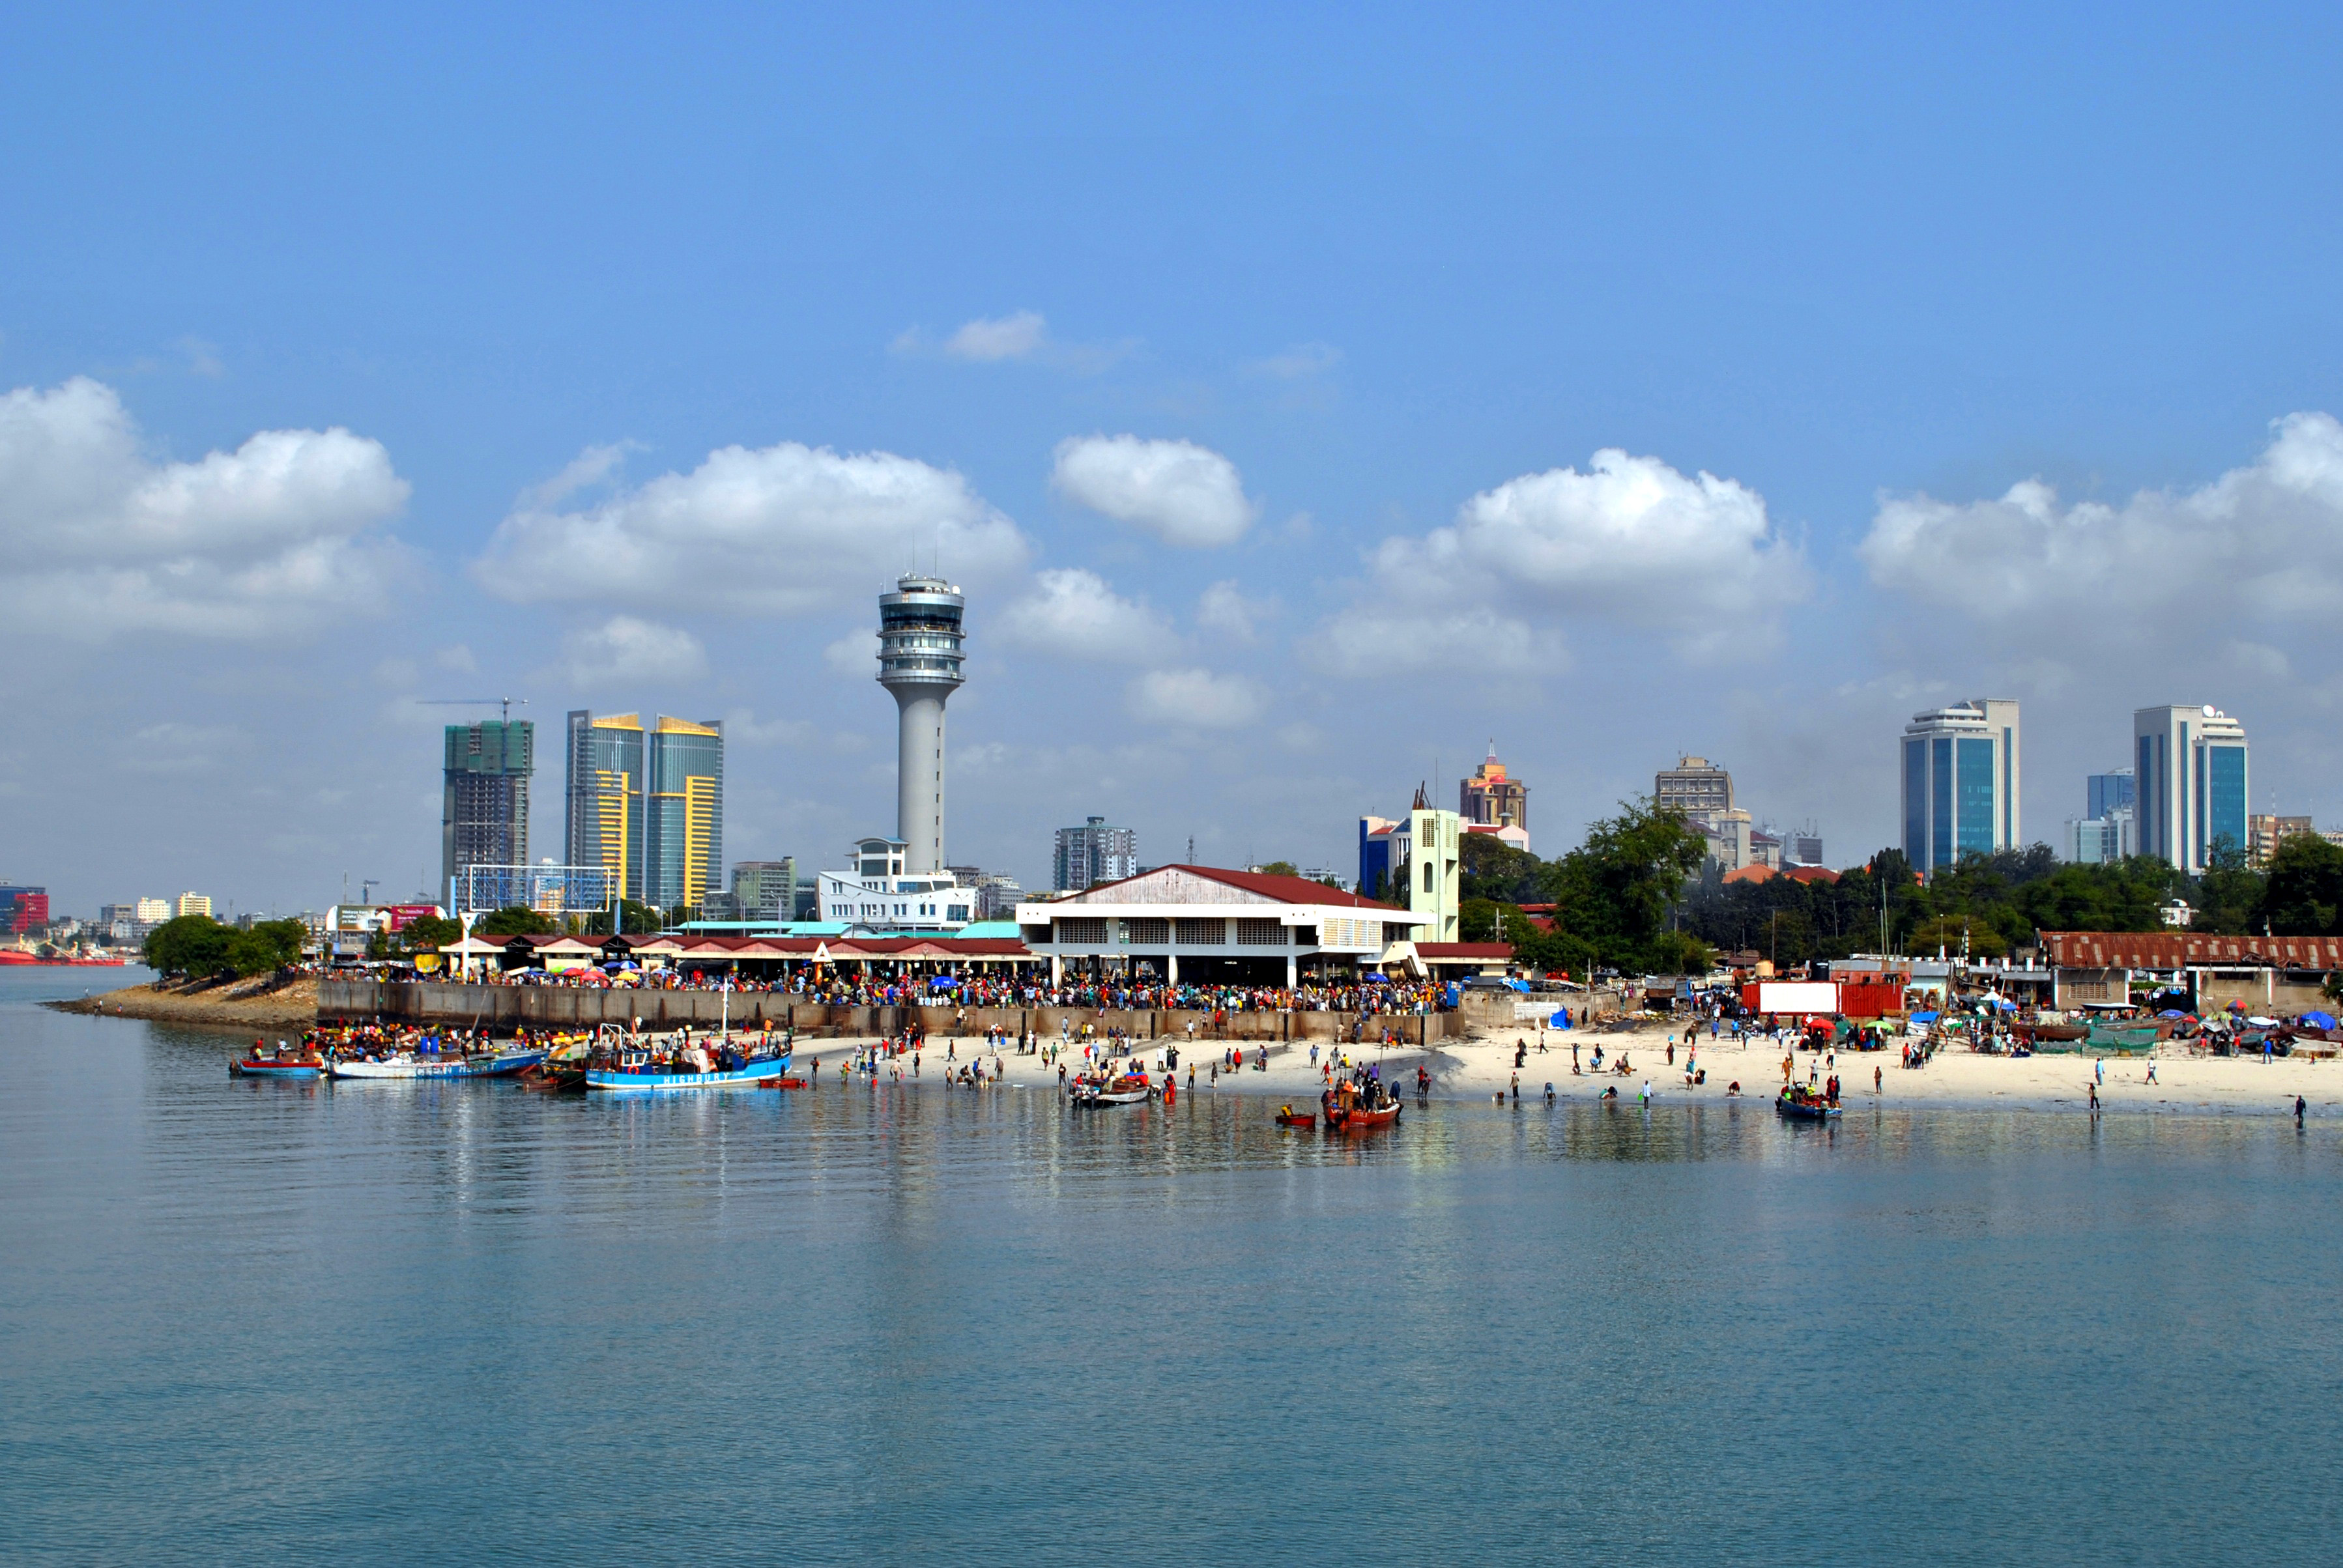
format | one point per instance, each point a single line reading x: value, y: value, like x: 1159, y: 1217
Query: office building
x: 2193, y: 775
x: 683, y: 828
x: 1696, y: 787
x: 766, y: 890
x: 194, y: 904
x: 878, y: 891
x: 2105, y: 794
x: 2103, y: 841
x: 154, y: 911
x: 602, y: 797
x: 23, y: 910
x: 1091, y: 854
x: 1489, y: 798
x: 920, y: 666
x: 1961, y: 775
x: 1804, y: 847
x: 2265, y: 833
x: 484, y: 803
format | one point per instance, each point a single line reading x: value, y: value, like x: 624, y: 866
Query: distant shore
x: 237, y: 1005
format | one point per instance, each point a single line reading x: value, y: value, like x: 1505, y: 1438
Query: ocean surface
x: 421, y: 1323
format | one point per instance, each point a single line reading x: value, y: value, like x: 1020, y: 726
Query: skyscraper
x: 683, y: 836
x: 920, y: 666
x: 1489, y: 798
x: 2105, y: 793
x: 1095, y: 853
x: 484, y: 804
x: 766, y: 890
x: 603, y: 798
x: 1961, y: 779
x: 2192, y: 775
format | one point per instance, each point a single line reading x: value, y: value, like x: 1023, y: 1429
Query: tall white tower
x: 919, y: 662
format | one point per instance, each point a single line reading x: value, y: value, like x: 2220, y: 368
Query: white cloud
x: 743, y: 727
x: 1227, y: 609
x: 586, y: 469
x: 1015, y: 337
x: 633, y: 650
x: 173, y: 747
x: 1075, y: 614
x: 276, y: 538
x: 1197, y: 698
x: 779, y: 530
x: 1301, y: 360
x: 1691, y: 557
x: 1183, y: 493
x: 856, y: 653
x: 2266, y: 534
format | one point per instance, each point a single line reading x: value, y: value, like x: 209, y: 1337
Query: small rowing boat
x: 636, y: 1070
x: 409, y: 1064
x: 284, y: 1061
x: 1289, y: 1117
x: 1803, y: 1105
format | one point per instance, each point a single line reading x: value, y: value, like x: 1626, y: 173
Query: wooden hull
x: 1797, y: 1112
x: 504, y: 1066
x: 248, y: 1069
x: 1113, y: 1097
x: 1361, y: 1121
x: 766, y: 1074
x: 1302, y: 1118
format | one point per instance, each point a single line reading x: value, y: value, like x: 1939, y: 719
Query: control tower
x: 919, y: 662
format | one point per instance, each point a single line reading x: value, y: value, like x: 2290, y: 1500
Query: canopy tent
x: 2320, y: 1019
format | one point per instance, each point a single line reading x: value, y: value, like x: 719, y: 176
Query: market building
x: 1202, y: 924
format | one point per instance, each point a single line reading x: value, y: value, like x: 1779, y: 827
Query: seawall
x: 508, y: 1006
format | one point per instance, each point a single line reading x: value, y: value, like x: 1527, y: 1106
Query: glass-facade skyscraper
x: 603, y: 798
x: 484, y: 802
x: 683, y: 840
x: 1961, y: 776
x: 2192, y: 776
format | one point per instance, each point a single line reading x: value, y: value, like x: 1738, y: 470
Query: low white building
x: 875, y: 894
x: 1205, y: 925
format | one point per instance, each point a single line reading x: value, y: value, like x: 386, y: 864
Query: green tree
x: 1615, y: 891
x: 429, y: 933
x: 517, y: 921
x: 2231, y: 893
x: 1280, y: 869
x: 195, y: 946
x: 2304, y: 896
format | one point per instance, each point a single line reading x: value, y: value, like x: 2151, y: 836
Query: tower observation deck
x: 920, y: 665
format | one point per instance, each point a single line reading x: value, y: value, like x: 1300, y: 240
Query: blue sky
x: 1373, y: 264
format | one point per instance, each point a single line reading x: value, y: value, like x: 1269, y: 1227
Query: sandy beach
x: 1955, y: 1080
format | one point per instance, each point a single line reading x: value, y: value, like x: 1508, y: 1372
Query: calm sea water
x: 463, y: 1322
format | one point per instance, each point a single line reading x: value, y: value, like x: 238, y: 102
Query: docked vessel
x: 284, y: 1062
x: 640, y: 1071
x: 1359, y: 1107
x: 412, y: 1064
x: 1128, y: 1089
x: 1803, y: 1105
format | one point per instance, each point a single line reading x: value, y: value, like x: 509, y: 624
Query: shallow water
x: 458, y: 1322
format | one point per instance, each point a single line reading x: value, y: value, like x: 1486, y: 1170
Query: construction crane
x: 506, y: 703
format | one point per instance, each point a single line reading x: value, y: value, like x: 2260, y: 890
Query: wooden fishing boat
x: 636, y: 1072
x: 1358, y: 1119
x: 281, y: 1064
x: 1289, y: 1117
x: 1129, y: 1090
x: 1803, y: 1105
x: 409, y: 1064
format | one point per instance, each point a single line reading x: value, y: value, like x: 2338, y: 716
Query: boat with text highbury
x: 429, y: 1063
x: 697, y: 1067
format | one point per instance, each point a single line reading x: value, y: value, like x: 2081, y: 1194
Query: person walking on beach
x: 2151, y: 1069
x: 2298, y: 1112
x: 1647, y: 1094
x: 2094, y: 1088
x: 1875, y: 1078
x: 1788, y: 1063
x: 2100, y: 1070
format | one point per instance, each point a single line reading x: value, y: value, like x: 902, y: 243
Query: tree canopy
x: 517, y: 921
x: 1614, y: 896
x: 199, y: 948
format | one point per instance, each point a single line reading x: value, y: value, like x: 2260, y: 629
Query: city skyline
x: 1818, y: 446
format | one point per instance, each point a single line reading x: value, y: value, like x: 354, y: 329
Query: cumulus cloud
x: 1225, y: 607
x: 1197, y: 699
x: 625, y: 648
x: 1298, y: 362
x: 1693, y: 558
x: 1014, y: 336
x: 2268, y: 533
x: 1075, y: 614
x: 278, y: 538
x: 856, y: 653
x: 779, y: 530
x: 1181, y: 493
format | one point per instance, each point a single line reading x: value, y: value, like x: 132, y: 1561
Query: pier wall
x: 509, y: 1007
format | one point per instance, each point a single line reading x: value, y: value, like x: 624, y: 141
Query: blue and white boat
x: 411, y: 1064
x: 634, y: 1071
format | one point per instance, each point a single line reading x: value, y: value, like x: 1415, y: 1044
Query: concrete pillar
x: 1289, y: 971
x: 1171, y: 969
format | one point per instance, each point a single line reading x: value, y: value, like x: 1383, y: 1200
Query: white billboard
x: 1796, y: 996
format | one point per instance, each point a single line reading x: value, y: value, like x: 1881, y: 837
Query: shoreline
x: 228, y: 1007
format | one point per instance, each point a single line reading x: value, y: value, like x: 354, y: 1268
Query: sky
x: 1305, y: 401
